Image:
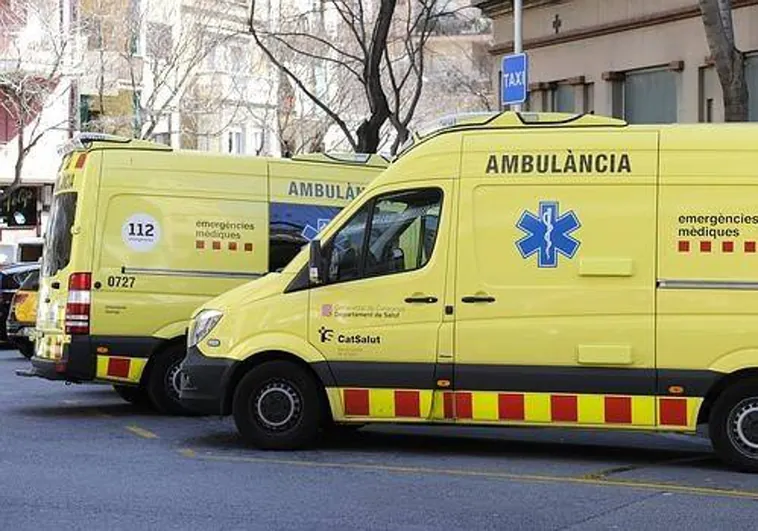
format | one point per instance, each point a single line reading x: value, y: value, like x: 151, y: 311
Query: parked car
x: 11, y: 278
x: 22, y: 315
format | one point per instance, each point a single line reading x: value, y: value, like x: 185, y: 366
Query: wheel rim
x: 277, y: 406
x: 173, y: 381
x: 743, y: 427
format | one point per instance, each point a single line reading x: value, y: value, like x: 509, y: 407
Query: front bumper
x: 204, y: 382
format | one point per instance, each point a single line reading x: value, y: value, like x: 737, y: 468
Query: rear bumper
x: 78, y: 363
x: 204, y: 382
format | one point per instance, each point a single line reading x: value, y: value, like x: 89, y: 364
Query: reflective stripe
x: 516, y: 378
x: 187, y: 273
x: 119, y: 368
x: 522, y: 408
x: 707, y: 284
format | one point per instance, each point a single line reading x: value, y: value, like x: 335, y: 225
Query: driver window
x: 403, y: 232
x: 346, y: 249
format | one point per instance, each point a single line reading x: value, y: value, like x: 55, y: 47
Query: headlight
x: 202, y: 325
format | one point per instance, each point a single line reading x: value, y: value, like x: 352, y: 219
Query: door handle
x: 478, y: 298
x: 425, y: 300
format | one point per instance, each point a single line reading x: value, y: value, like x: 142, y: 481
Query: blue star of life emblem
x: 548, y: 234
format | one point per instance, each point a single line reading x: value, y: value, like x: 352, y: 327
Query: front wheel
x: 277, y: 406
x: 733, y: 426
x: 135, y: 395
x: 163, y: 381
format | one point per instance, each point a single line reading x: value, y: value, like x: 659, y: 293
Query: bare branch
x: 316, y: 100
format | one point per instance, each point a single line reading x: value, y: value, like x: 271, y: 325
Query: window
x: 402, y: 230
x: 93, y: 29
x: 203, y: 143
x: 162, y: 138
x: 57, y: 252
x: 650, y: 97
x: 570, y: 95
x: 258, y: 141
x: 31, y: 283
x: 281, y: 251
x: 160, y: 41
x: 563, y: 98
x: 346, y: 249
x: 234, y: 142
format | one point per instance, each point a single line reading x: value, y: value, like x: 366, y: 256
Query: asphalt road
x: 77, y: 457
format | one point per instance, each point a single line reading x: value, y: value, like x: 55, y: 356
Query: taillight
x: 78, y: 304
x: 80, y: 160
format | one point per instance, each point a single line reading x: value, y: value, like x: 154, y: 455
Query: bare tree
x: 36, y: 53
x: 378, y: 46
x: 729, y: 61
x: 158, y: 56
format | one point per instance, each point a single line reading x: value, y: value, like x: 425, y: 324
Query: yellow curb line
x: 642, y: 485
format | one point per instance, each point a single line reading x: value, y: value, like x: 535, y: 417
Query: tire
x: 733, y: 426
x: 277, y: 406
x: 162, y: 381
x: 26, y: 348
x: 135, y: 395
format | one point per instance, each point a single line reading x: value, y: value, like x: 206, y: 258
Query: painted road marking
x: 141, y: 432
x: 604, y: 473
x: 596, y: 481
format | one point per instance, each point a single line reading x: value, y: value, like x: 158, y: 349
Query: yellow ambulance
x: 140, y: 235
x: 520, y: 270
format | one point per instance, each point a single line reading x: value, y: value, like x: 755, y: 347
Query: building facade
x: 39, y: 60
x: 644, y: 61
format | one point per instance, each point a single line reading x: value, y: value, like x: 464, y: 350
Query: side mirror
x: 316, y: 263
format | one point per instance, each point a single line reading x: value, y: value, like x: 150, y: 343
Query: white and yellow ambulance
x: 515, y: 270
x: 140, y: 235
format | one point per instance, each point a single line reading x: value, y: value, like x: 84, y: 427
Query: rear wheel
x: 733, y: 426
x: 164, y: 379
x: 135, y: 395
x: 26, y: 348
x: 277, y: 406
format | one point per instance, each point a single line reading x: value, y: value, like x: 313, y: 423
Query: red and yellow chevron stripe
x: 620, y: 411
x: 120, y: 369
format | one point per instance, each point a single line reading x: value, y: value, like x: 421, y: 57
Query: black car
x: 11, y: 277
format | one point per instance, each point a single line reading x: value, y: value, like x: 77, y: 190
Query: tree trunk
x: 735, y: 90
x: 368, y: 131
x: 20, y: 157
x: 730, y: 62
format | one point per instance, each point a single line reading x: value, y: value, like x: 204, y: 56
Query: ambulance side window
x: 346, y: 249
x: 403, y: 232
x: 390, y: 234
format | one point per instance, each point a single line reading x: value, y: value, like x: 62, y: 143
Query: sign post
x: 514, y: 80
x: 513, y: 73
